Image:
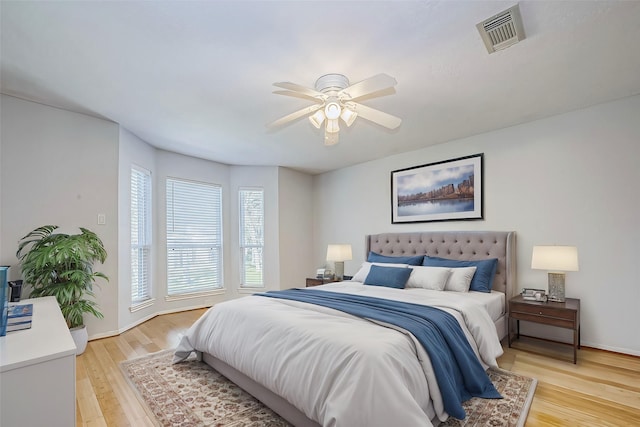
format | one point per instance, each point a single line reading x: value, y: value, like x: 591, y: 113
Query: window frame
x: 216, y: 243
x: 243, y: 245
x: 142, y: 247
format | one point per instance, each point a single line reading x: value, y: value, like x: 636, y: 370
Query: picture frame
x: 449, y: 190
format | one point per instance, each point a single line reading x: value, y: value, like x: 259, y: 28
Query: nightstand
x: 561, y: 314
x: 316, y: 282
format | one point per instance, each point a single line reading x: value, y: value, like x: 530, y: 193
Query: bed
x: 329, y: 368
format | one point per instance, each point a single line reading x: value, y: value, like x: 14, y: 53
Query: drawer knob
x: 540, y: 313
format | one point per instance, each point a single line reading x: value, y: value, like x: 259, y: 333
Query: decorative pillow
x: 411, y: 260
x: 434, y: 278
x: 366, y: 266
x: 391, y: 277
x: 460, y: 279
x: 485, y: 270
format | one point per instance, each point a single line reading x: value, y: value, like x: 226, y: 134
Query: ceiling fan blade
x: 295, y: 115
x: 373, y: 84
x: 298, y: 95
x: 301, y: 89
x: 384, y: 92
x: 376, y: 116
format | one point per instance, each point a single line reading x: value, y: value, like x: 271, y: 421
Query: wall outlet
x: 102, y: 219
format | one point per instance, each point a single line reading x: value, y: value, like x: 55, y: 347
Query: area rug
x: 193, y: 394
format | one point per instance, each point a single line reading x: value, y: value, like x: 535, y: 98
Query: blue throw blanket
x: 459, y: 374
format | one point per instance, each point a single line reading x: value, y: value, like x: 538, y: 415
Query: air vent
x: 502, y: 30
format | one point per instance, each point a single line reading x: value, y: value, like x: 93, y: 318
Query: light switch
x: 102, y: 219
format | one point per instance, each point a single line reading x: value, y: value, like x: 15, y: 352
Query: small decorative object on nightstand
x: 561, y: 314
x: 530, y: 294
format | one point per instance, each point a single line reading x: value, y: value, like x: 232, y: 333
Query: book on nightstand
x: 19, y: 317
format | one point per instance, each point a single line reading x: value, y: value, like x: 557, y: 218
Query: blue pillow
x: 411, y: 260
x: 391, y: 277
x: 485, y: 270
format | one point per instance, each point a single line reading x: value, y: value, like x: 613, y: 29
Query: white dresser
x: 38, y: 371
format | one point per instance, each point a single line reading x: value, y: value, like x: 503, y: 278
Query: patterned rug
x: 193, y: 394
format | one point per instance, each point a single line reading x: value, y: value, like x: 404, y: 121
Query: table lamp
x: 339, y: 254
x: 556, y: 260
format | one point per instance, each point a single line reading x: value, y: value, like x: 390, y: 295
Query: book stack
x: 4, y: 299
x: 19, y: 317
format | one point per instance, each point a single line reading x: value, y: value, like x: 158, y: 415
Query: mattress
x: 494, y: 302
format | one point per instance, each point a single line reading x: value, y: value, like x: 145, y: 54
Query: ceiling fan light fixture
x: 348, y: 116
x: 332, y: 110
x: 332, y: 126
x: 317, y: 118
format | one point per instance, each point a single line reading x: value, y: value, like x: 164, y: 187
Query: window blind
x: 252, y: 237
x: 194, y: 237
x: 140, y: 235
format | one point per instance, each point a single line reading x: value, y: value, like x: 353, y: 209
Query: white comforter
x: 338, y: 369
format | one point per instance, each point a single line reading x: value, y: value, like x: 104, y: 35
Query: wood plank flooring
x: 602, y: 389
x: 103, y: 395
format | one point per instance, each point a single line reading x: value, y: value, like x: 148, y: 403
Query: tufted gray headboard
x: 461, y: 245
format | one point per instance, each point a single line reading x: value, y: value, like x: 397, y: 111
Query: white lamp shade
x: 332, y: 126
x: 317, y: 118
x: 555, y: 258
x: 339, y: 252
x: 348, y: 116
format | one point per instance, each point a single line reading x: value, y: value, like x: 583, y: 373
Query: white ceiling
x: 196, y: 77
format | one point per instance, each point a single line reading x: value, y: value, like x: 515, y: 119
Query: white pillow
x: 366, y: 266
x: 434, y: 278
x: 460, y: 279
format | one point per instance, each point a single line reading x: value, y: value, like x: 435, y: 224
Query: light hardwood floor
x: 602, y: 389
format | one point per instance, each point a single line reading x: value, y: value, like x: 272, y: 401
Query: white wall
x: 132, y: 152
x: 295, y: 199
x: 60, y: 168
x: 570, y: 179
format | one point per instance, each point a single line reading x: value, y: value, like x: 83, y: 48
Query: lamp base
x: 339, y: 267
x: 556, y: 287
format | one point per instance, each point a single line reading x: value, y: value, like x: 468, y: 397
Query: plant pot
x: 80, y: 337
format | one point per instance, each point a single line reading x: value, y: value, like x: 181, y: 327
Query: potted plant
x: 61, y: 265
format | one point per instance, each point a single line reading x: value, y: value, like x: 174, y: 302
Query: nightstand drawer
x: 544, y: 310
x: 553, y: 321
x: 544, y: 314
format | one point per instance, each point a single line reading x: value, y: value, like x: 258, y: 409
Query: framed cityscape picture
x: 450, y: 190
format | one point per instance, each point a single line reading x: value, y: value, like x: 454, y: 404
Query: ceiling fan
x: 335, y: 99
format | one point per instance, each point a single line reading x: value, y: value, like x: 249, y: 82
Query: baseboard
x: 618, y: 350
x: 144, y: 319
